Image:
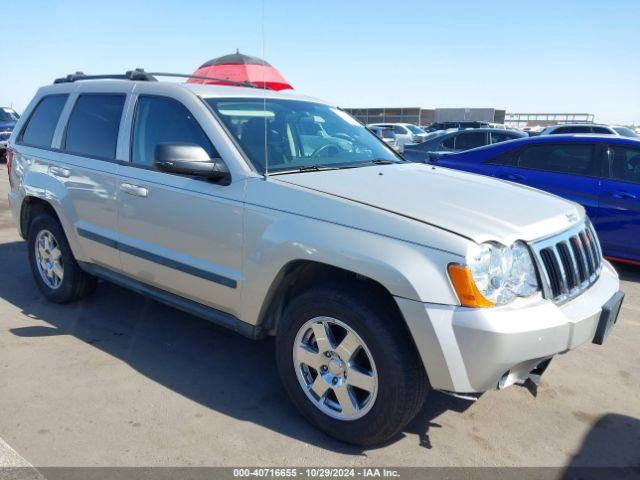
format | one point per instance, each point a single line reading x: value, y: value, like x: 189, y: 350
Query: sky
x: 523, y: 56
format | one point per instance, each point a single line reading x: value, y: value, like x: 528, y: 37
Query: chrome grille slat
x: 578, y: 253
x: 569, y: 262
x: 553, y: 272
x: 564, y: 287
x: 588, y: 252
x: 594, y: 248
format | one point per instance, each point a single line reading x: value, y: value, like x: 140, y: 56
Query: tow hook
x: 532, y: 382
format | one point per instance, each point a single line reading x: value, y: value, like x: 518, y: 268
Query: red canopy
x: 241, y: 68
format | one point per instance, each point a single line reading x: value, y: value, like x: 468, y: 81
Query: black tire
x: 75, y: 283
x: 402, y: 381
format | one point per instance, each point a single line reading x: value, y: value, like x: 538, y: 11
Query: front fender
x: 274, y: 239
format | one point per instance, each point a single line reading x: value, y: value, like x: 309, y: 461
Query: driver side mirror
x: 188, y: 159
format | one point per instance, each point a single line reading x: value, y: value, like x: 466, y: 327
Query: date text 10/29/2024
x: 316, y: 472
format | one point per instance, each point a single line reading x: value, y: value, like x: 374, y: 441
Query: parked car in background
x: 533, y: 131
x: 380, y: 279
x: 387, y: 135
x: 458, y: 141
x: 566, y: 128
x: 405, y: 133
x: 458, y: 125
x: 8, y: 119
x: 601, y: 172
x: 625, y: 131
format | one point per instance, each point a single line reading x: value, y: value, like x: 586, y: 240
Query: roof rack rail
x: 140, y: 75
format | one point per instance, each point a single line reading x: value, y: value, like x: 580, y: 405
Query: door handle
x: 623, y: 195
x: 60, y: 172
x: 135, y: 190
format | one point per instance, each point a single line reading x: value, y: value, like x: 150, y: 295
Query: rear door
x: 618, y: 223
x: 569, y: 170
x: 86, y: 168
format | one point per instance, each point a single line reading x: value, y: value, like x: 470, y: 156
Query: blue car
x: 601, y: 172
x: 8, y: 119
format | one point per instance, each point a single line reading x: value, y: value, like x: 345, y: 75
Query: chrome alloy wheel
x: 335, y: 368
x: 49, y: 259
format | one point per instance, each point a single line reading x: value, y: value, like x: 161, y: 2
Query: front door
x: 180, y: 234
x: 618, y: 223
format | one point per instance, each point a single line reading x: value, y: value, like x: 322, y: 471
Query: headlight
x: 494, y: 275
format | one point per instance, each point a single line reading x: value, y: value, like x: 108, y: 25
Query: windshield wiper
x: 375, y: 161
x: 304, y: 168
x: 311, y: 168
x: 381, y: 161
x: 317, y: 168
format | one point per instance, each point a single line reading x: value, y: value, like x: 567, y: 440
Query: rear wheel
x: 349, y: 365
x: 54, y: 268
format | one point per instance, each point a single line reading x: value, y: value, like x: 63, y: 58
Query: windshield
x: 415, y: 129
x: 298, y: 134
x: 8, y: 115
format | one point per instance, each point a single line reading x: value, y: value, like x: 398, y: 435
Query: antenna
x: 264, y: 102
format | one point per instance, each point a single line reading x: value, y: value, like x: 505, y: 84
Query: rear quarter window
x: 40, y: 127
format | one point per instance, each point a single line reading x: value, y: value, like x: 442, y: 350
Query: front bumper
x: 475, y: 350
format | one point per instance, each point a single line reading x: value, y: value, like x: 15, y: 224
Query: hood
x: 474, y: 206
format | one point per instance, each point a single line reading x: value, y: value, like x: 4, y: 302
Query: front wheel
x: 349, y: 365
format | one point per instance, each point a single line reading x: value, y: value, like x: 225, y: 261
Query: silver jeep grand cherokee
x: 276, y: 214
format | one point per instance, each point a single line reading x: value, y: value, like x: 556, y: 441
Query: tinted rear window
x: 467, y: 141
x: 93, y: 125
x: 42, y: 123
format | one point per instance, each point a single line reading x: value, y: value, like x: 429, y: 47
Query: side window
x: 164, y: 120
x: 575, y: 158
x: 449, y: 143
x: 467, y: 141
x: 94, y: 124
x: 497, y: 137
x: 601, y: 130
x: 42, y: 123
x: 399, y: 130
x: 573, y: 130
x: 624, y: 164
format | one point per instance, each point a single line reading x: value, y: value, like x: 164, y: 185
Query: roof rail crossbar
x: 140, y: 75
x: 137, y: 74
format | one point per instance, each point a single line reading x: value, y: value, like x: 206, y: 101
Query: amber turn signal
x: 465, y: 287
